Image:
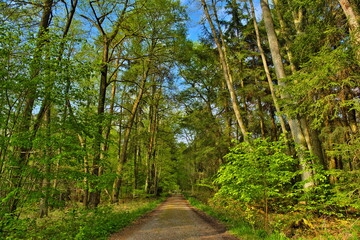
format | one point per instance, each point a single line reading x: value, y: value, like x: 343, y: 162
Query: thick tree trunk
x: 294, y: 124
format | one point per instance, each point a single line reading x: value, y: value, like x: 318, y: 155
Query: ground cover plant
x: 78, y: 222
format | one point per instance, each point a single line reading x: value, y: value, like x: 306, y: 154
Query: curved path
x: 174, y: 219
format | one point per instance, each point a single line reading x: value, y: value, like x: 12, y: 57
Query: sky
x: 195, y: 13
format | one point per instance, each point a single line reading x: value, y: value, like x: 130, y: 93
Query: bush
x: 257, y: 171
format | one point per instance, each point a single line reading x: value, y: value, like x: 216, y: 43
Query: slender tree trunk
x: 122, y: 158
x: 311, y: 136
x: 267, y: 71
x: 262, y: 121
x: 105, y: 147
x: 137, y: 157
x: 353, y: 17
x: 153, y: 112
x: 85, y: 199
x: 24, y: 150
x: 274, y: 135
x: 44, y: 203
x: 284, y: 34
x: 95, y: 194
x: 295, y: 126
x: 226, y: 71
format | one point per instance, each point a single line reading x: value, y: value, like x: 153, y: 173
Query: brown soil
x: 174, y: 219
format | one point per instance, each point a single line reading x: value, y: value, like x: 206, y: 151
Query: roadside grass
x: 237, y: 226
x: 78, y: 223
x: 302, y: 226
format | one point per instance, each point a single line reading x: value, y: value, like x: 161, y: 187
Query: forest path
x: 174, y: 219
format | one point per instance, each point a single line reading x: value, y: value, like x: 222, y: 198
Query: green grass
x: 77, y: 223
x: 238, y: 227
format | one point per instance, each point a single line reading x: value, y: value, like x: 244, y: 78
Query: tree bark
x: 108, y: 39
x: 24, y: 150
x: 294, y: 124
x: 123, y: 158
x: 353, y: 17
x: 44, y: 203
x: 267, y: 71
x: 226, y: 71
x: 95, y: 194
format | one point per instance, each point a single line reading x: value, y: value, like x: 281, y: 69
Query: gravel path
x: 174, y: 219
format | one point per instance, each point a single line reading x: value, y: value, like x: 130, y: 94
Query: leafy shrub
x: 257, y: 170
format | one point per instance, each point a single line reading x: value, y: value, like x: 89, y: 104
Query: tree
x: 108, y: 39
x: 295, y: 127
x: 353, y: 17
x: 221, y: 47
x: 24, y: 127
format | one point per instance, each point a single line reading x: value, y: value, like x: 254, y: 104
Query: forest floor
x: 174, y: 219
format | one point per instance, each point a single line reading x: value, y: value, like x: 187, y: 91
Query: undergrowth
x: 76, y: 223
x: 249, y: 224
x: 237, y: 226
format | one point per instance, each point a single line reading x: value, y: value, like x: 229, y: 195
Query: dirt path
x: 174, y: 219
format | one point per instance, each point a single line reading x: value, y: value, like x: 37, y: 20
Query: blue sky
x: 195, y: 13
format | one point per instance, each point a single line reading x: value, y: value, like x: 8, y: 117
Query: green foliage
x: 76, y: 223
x: 235, y: 223
x: 257, y: 170
x: 341, y: 199
x: 325, y: 86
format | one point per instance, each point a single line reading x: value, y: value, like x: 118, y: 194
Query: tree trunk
x: 44, y: 202
x: 24, y: 150
x: 122, y: 158
x: 274, y: 135
x: 153, y: 129
x: 95, y: 194
x: 267, y: 71
x: 137, y: 158
x: 226, y: 71
x: 85, y: 199
x: 311, y: 136
x: 353, y: 17
x: 295, y: 126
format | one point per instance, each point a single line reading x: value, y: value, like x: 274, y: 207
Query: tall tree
x: 221, y: 47
x: 295, y: 126
x: 267, y: 70
x: 25, y: 126
x: 353, y: 16
x: 108, y: 39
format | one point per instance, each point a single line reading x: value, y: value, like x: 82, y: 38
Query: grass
x: 237, y: 226
x: 77, y: 223
x: 250, y: 226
